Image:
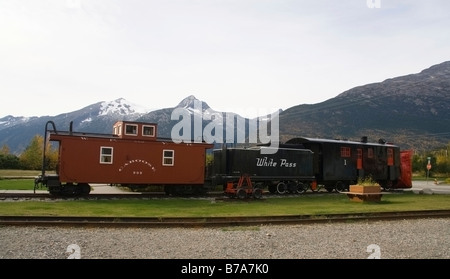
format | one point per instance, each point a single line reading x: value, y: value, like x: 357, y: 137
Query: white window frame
x: 171, y: 158
x: 104, y: 157
x: 151, y: 127
x: 131, y: 125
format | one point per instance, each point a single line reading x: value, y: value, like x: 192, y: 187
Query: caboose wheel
x: 85, y: 188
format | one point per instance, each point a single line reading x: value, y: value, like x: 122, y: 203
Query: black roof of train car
x: 301, y: 140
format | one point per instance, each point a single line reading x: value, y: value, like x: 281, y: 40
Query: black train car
x: 339, y: 163
x: 280, y: 170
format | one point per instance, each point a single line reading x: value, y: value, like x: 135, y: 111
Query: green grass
x: 314, y: 204
x: 310, y: 204
x: 16, y: 184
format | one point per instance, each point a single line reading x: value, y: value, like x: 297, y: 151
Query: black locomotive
x: 307, y: 163
x: 282, y: 170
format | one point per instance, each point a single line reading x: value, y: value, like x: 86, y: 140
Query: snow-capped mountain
x: 17, y: 132
x: 9, y: 121
x: 121, y: 107
x: 412, y: 110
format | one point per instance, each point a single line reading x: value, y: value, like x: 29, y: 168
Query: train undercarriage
x: 55, y: 187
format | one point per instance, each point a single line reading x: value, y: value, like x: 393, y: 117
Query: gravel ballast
x: 399, y: 239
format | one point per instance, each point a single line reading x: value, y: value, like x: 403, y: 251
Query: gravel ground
x: 401, y: 239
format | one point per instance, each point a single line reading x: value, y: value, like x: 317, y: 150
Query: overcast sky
x: 245, y: 56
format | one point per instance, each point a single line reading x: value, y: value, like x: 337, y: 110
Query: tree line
x: 31, y: 158
x: 439, y: 160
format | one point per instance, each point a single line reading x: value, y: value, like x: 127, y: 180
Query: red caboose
x: 132, y: 155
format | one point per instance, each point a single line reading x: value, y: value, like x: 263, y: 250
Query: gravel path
x: 402, y: 239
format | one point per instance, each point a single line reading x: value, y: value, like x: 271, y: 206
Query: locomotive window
x: 106, y: 154
x: 369, y: 152
x: 345, y: 151
x: 148, y: 131
x: 130, y: 129
x: 390, y: 157
x: 168, y: 157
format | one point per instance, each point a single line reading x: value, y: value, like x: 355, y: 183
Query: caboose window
x: 148, y: 131
x: 131, y: 129
x: 117, y: 130
x: 168, y: 157
x: 106, y: 154
x: 345, y: 152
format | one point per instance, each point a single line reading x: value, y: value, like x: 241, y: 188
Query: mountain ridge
x: 413, y: 111
x: 406, y: 109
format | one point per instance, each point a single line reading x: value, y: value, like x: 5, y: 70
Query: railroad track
x: 137, y: 195
x: 46, y: 196
x: 214, y: 221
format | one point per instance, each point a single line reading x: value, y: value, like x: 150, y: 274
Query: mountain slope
x: 413, y: 111
x: 17, y: 133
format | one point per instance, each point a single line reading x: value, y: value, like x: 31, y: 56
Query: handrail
x: 45, y: 143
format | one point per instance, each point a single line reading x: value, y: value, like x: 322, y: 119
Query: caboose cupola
x: 135, y: 130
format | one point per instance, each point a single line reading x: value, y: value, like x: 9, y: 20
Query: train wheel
x: 340, y: 186
x: 167, y: 190
x: 302, y: 187
x: 292, y: 187
x: 241, y: 193
x: 257, y: 193
x: 259, y: 185
x: 272, y: 189
x: 387, y: 185
x: 54, y: 191
x: 85, y: 188
x: 281, y: 188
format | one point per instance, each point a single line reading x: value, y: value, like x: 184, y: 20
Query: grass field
x: 18, y: 179
x: 308, y: 204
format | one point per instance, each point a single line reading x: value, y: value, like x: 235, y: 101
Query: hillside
x: 412, y: 111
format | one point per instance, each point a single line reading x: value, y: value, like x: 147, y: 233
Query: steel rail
x: 215, y: 221
x: 138, y: 195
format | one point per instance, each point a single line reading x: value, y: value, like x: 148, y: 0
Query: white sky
x: 236, y: 55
